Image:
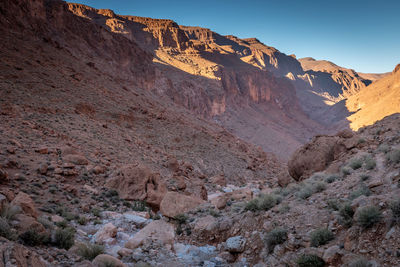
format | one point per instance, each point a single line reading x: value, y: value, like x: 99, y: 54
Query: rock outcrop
x: 135, y: 182
x: 175, y: 203
x: 317, y: 155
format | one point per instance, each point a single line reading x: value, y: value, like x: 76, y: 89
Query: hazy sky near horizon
x: 360, y: 34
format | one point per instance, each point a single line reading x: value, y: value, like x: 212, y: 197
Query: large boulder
x: 104, y: 260
x: 312, y: 157
x: 26, y: 203
x: 106, y: 232
x: 137, y: 182
x: 13, y: 254
x: 25, y: 223
x: 175, y: 203
x: 156, y: 231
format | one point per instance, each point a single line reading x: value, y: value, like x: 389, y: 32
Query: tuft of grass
x: 139, y: 206
x: 267, y: 202
x: 275, y: 237
x: 305, y: 192
x: 321, y: 237
x: 331, y: 178
x: 318, y: 176
x: 63, y: 224
x: 82, y: 220
x: 284, y: 208
x: 361, y: 141
x: 345, y: 171
x: 346, y: 215
x: 214, y: 213
x: 309, y: 188
x: 64, y: 238
x: 33, y: 238
x: 181, y: 218
x: 46, y: 223
x: 362, y: 190
x: 370, y: 163
x: 6, y: 231
x: 90, y: 251
x: 9, y: 212
x: 355, y: 163
x: 366, y: 217
x: 393, y: 156
x: 310, y: 260
x: 96, y: 212
x: 395, y: 208
x: 333, y: 204
x: 385, y: 148
x: 364, y: 177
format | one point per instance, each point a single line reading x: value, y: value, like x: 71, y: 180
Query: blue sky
x: 359, y: 34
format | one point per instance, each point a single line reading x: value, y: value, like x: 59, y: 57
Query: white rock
x: 235, y: 244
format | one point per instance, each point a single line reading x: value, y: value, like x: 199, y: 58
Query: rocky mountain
x: 239, y: 83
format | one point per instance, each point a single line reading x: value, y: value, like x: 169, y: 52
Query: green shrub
x: 275, y: 237
x: 33, y: 238
x: 139, y: 205
x: 385, y: 148
x: 6, y: 231
x: 284, y: 208
x: 360, y: 263
x: 252, y: 205
x: 310, y: 260
x: 319, y: 187
x: 181, y: 218
x: 321, y: 237
x: 331, y: 178
x: 346, y: 213
x: 10, y: 211
x: 97, y: 221
x: 46, y: 223
x: 362, y: 190
x: 370, y: 163
x: 62, y: 224
x: 361, y: 141
x: 262, y: 202
x: 364, y: 177
x: 318, y: 176
x: 393, y: 156
x: 333, y: 204
x: 90, y: 251
x: 96, y: 212
x: 345, y: 171
x: 82, y: 220
x: 368, y: 216
x: 309, y: 188
x: 64, y: 238
x: 355, y: 163
x: 395, y: 207
x: 305, y: 192
x: 214, y: 213
x: 267, y: 202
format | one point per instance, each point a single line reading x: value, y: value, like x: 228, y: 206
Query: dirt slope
x: 380, y: 99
